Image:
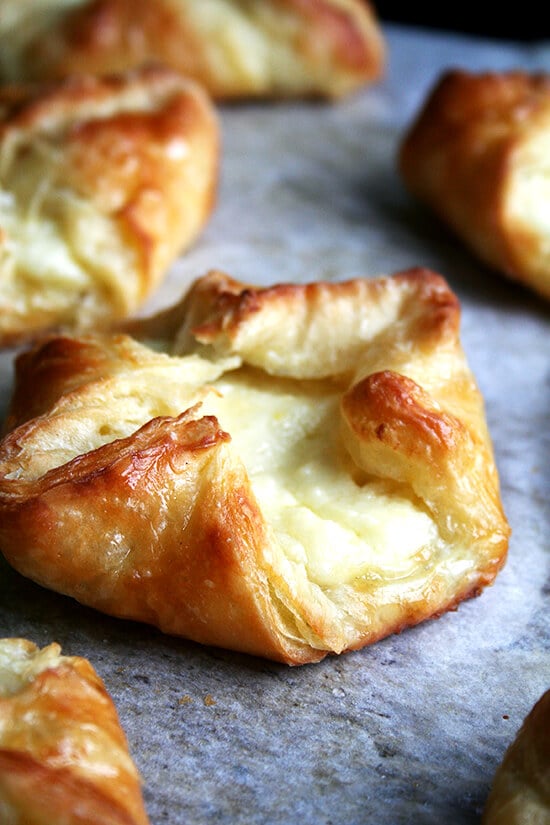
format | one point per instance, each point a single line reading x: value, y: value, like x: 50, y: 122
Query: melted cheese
x: 36, y: 249
x: 20, y: 663
x: 253, y: 45
x: 58, y: 253
x: 321, y: 517
x: 528, y: 191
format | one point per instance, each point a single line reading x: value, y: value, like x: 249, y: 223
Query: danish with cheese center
x: 286, y: 471
x: 233, y: 48
x: 103, y: 183
x: 477, y: 155
x: 63, y: 754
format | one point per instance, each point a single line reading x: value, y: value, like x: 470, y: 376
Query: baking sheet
x: 412, y: 728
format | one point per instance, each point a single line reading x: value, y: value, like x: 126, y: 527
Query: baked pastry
x: 477, y: 155
x: 103, y: 183
x: 285, y: 471
x: 63, y: 755
x: 520, y: 794
x: 234, y: 48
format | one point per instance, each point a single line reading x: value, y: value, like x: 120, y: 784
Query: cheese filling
x: 322, y: 513
x: 322, y: 518
x: 56, y: 250
x: 19, y: 664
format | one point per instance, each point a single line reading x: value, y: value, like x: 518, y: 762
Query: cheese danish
x: 288, y: 471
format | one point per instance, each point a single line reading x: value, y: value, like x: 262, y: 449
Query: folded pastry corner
x: 103, y: 183
x: 520, y: 793
x: 63, y: 755
x: 476, y: 154
x: 288, y: 471
x: 235, y: 49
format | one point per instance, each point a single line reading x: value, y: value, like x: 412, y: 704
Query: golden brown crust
x: 520, y: 794
x: 477, y: 155
x: 105, y: 181
x: 234, y: 49
x: 364, y: 407
x: 63, y: 755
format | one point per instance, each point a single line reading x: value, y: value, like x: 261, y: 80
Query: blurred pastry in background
x: 103, y: 183
x: 520, y: 794
x: 477, y: 154
x: 234, y: 48
x: 64, y: 757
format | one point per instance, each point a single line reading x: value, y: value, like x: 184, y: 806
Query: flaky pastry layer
x: 234, y: 48
x: 286, y: 471
x: 477, y: 155
x: 520, y: 794
x: 63, y: 755
x: 103, y: 183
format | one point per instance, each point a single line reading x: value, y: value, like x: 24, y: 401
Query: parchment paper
x: 411, y: 729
